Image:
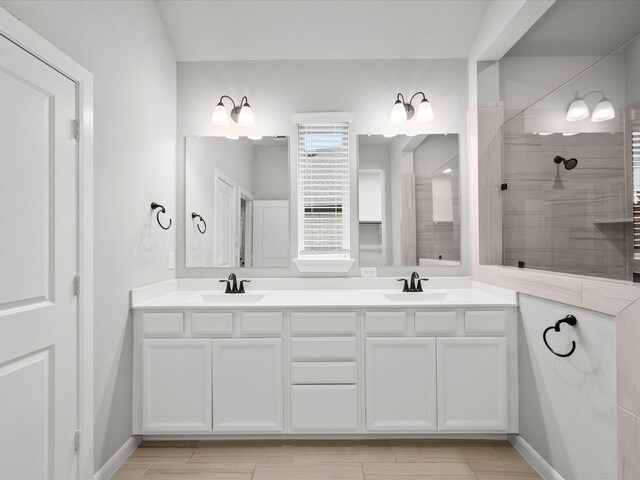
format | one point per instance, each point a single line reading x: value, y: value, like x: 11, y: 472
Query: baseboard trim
x: 540, y: 465
x: 112, y: 465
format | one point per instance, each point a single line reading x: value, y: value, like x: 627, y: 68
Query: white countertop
x: 172, y: 296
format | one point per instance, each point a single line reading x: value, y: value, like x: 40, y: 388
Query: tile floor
x: 327, y: 460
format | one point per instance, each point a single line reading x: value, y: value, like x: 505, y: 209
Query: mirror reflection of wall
x: 241, y: 190
x: 408, y: 192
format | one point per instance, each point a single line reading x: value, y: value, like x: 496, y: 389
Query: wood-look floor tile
x: 248, y: 443
x: 169, y: 444
x: 502, y: 467
x: 174, y: 471
x: 222, y: 451
x: 162, y: 452
x: 131, y: 471
x: 507, y: 476
x: 344, y: 453
x: 438, y: 442
x: 245, y: 458
x: 510, y: 455
x: 403, y: 471
x: 308, y: 472
x: 445, y: 454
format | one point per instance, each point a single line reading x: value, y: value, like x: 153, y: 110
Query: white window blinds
x: 323, y: 190
x: 635, y: 158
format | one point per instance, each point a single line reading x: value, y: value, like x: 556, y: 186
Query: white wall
x: 568, y: 405
x: 126, y: 48
x: 278, y: 89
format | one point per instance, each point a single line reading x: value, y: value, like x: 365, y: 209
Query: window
x: 635, y: 158
x: 323, y: 190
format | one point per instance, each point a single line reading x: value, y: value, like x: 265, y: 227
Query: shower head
x: 568, y: 164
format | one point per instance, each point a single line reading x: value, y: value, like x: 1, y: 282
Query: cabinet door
x: 247, y: 385
x: 176, y: 385
x: 401, y: 384
x: 472, y: 384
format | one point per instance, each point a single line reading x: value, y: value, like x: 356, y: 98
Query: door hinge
x: 76, y: 129
x: 504, y: 186
x: 77, y: 440
x: 76, y: 285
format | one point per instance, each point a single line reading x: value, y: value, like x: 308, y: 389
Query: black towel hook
x: 569, y: 320
x: 155, y: 205
x: 195, y: 215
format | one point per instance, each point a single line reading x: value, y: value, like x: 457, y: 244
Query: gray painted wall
x: 568, y: 405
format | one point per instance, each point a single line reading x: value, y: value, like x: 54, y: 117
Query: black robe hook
x: 155, y: 205
x: 195, y: 215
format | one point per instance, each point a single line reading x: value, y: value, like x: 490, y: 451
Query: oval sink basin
x: 232, y: 298
x: 410, y: 297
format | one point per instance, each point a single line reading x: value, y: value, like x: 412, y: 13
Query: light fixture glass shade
x: 578, y: 110
x: 220, y: 115
x: 425, y: 112
x: 398, y: 114
x: 604, y: 111
x: 245, y: 117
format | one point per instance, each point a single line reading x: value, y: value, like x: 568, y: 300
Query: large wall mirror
x: 408, y: 200
x: 236, y: 202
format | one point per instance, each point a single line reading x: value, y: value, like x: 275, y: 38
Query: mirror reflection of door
x: 240, y: 187
x: 224, y: 244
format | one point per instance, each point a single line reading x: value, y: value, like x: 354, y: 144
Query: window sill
x: 324, y: 265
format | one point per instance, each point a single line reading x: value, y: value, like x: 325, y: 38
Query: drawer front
x: 385, y: 323
x: 323, y: 373
x: 261, y: 323
x: 485, y: 322
x: 163, y: 323
x: 436, y: 323
x: 330, y: 348
x: 323, y: 323
x: 212, y: 324
x: 317, y: 408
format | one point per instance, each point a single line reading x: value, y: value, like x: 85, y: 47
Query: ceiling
x: 580, y: 28
x: 321, y: 29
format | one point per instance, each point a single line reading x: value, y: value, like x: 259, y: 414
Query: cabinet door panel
x: 472, y: 384
x: 247, y: 385
x: 176, y: 385
x: 318, y: 408
x: 401, y: 384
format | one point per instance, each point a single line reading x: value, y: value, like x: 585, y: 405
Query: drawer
x: 485, y: 322
x: 323, y: 372
x: 163, y: 323
x: 328, y: 348
x: 323, y: 323
x: 261, y: 323
x: 212, y: 324
x: 385, y: 323
x: 436, y: 323
x: 324, y: 408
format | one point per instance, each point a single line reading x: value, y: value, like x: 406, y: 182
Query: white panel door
x: 472, y: 384
x: 225, y: 223
x: 176, y: 385
x: 270, y: 233
x: 247, y: 385
x: 401, y: 384
x: 38, y: 262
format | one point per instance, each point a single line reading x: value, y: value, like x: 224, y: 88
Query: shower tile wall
x: 435, y: 240
x: 568, y: 221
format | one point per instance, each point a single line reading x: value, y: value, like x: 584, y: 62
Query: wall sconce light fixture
x: 578, y: 109
x: 242, y: 114
x: 403, y: 111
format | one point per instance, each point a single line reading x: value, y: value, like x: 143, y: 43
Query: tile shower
x: 538, y: 214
